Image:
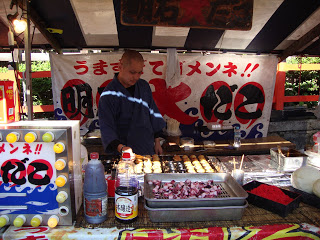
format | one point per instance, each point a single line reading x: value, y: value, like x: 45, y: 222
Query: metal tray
x: 232, y: 193
x: 195, y: 214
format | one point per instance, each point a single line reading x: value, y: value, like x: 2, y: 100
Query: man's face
x: 129, y: 74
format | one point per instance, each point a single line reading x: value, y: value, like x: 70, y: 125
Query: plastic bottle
x: 126, y: 193
x: 95, y: 191
x: 237, y: 137
x: 316, y: 140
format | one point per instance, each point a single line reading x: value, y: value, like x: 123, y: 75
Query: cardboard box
x: 7, y: 102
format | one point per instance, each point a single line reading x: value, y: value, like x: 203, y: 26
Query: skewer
x: 279, y: 157
x: 241, y: 161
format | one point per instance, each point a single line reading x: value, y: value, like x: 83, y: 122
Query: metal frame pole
x: 27, y: 44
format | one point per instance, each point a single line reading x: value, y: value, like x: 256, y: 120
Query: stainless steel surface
x: 195, y: 214
x: 287, y: 159
x: 232, y: 195
x: 66, y: 135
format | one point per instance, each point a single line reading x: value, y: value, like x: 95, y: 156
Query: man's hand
x: 157, y: 146
x: 121, y: 148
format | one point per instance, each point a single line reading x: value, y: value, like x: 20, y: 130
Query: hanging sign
x: 215, y: 14
x: 234, y: 90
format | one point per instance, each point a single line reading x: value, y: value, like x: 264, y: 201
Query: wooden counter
x: 222, y: 148
x: 256, y: 223
x: 252, y: 216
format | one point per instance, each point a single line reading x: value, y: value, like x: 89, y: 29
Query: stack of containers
x: 229, y: 204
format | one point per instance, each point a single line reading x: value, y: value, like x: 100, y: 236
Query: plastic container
x: 95, y: 191
x: 237, y: 137
x: 187, y: 143
x: 126, y: 193
x: 275, y: 207
x: 238, y: 175
x: 288, y: 160
x: 307, y: 198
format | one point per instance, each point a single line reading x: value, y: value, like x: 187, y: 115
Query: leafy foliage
x: 41, y: 87
x: 36, y: 66
x: 302, y: 82
x: 3, y: 69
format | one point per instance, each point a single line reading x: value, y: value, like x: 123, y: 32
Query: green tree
x: 41, y: 88
x: 302, y: 82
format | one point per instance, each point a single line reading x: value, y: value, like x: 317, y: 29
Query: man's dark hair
x: 131, y: 55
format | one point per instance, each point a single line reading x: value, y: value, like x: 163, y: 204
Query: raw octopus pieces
x: 183, y: 190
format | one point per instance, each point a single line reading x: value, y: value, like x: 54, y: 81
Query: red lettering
x: 81, y: 66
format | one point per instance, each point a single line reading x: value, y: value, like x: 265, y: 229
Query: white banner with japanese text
x: 224, y: 88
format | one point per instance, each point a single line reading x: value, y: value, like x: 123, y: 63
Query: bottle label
x: 126, y: 207
x: 96, y: 206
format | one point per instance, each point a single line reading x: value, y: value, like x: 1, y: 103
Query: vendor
x: 128, y: 115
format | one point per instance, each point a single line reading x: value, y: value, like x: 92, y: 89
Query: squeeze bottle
x: 237, y: 137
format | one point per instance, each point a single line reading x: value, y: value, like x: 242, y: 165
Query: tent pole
x: 27, y: 45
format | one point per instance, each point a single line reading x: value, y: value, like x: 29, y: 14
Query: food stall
x: 233, y: 90
x: 232, y: 216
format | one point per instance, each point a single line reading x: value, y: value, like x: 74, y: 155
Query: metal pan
x: 196, y: 214
x: 232, y: 193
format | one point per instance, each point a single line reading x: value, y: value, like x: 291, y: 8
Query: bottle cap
x: 126, y: 156
x: 94, y: 155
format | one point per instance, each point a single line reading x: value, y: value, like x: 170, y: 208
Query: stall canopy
x: 282, y: 27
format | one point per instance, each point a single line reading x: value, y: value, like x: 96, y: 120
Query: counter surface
x: 225, y: 148
x: 252, y: 216
x: 256, y: 223
x: 222, y: 148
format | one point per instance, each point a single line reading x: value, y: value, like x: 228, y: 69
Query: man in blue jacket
x: 128, y: 115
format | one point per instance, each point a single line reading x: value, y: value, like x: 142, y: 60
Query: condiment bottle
x: 126, y: 193
x: 237, y: 137
x: 95, y: 191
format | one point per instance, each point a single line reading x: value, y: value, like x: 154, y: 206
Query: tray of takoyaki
x: 176, y: 164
